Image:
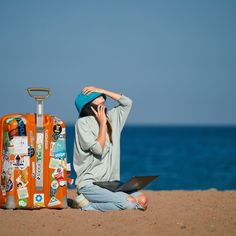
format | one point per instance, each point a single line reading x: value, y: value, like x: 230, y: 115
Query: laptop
x: 134, y: 184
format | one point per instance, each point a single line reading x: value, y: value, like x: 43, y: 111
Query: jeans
x: 101, y: 199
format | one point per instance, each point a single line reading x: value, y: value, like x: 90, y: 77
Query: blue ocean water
x: 184, y: 157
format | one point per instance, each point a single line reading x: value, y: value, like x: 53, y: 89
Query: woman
x: 97, y: 151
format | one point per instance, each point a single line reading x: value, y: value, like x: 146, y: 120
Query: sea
x: 183, y: 157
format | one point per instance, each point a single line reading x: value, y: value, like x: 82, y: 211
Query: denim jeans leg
x: 104, y: 200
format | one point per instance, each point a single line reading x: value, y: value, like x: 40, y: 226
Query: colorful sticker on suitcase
x: 31, y: 150
x: 60, y: 149
x: 58, y: 175
x: 7, y: 175
x: 21, y: 162
x: 54, y: 163
x: 12, y: 127
x: 23, y: 203
x: 46, y: 139
x: 33, y: 169
x: 22, y: 193
x: 22, y: 180
x: 39, y: 200
x: 21, y: 127
x: 39, y: 161
x: 9, y: 185
x: 6, y: 139
x: 20, y: 144
x: 56, y: 132
x: 54, y: 202
x: 62, y: 135
x: 16, y: 127
x: 3, y: 182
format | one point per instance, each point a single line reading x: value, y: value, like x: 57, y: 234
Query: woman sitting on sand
x: 97, y: 152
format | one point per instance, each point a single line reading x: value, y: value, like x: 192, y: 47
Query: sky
x: 175, y: 59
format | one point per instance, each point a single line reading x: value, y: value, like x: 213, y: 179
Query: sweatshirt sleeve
x: 86, y: 139
x: 119, y: 114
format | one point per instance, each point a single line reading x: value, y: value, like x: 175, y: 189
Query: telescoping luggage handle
x: 44, y: 93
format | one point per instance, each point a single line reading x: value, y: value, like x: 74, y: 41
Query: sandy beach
x: 208, y: 212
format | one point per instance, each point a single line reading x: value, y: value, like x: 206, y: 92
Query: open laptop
x: 132, y: 185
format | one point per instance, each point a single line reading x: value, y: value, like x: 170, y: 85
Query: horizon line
x: 171, y: 125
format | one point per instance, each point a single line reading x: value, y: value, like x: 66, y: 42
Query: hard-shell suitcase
x: 33, y: 163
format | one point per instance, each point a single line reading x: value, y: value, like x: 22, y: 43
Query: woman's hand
x: 100, y: 115
x: 90, y: 89
x: 102, y: 120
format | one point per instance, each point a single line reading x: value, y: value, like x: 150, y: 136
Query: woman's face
x: 99, y: 101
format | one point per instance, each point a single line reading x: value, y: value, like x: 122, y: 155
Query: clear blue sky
x: 175, y: 59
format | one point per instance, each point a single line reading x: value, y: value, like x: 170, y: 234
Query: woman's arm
x: 89, y: 89
x: 118, y: 114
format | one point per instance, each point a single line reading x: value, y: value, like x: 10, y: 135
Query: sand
x: 209, y: 212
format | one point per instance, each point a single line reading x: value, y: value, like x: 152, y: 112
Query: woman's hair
x: 87, y: 111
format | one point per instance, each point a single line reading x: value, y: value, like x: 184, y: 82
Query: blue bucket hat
x: 82, y: 99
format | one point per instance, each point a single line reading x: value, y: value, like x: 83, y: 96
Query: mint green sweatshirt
x: 90, y: 162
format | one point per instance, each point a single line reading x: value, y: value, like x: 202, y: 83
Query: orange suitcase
x: 33, y: 163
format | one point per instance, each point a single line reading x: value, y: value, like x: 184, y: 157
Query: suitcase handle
x: 33, y: 92
x: 41, y: 96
